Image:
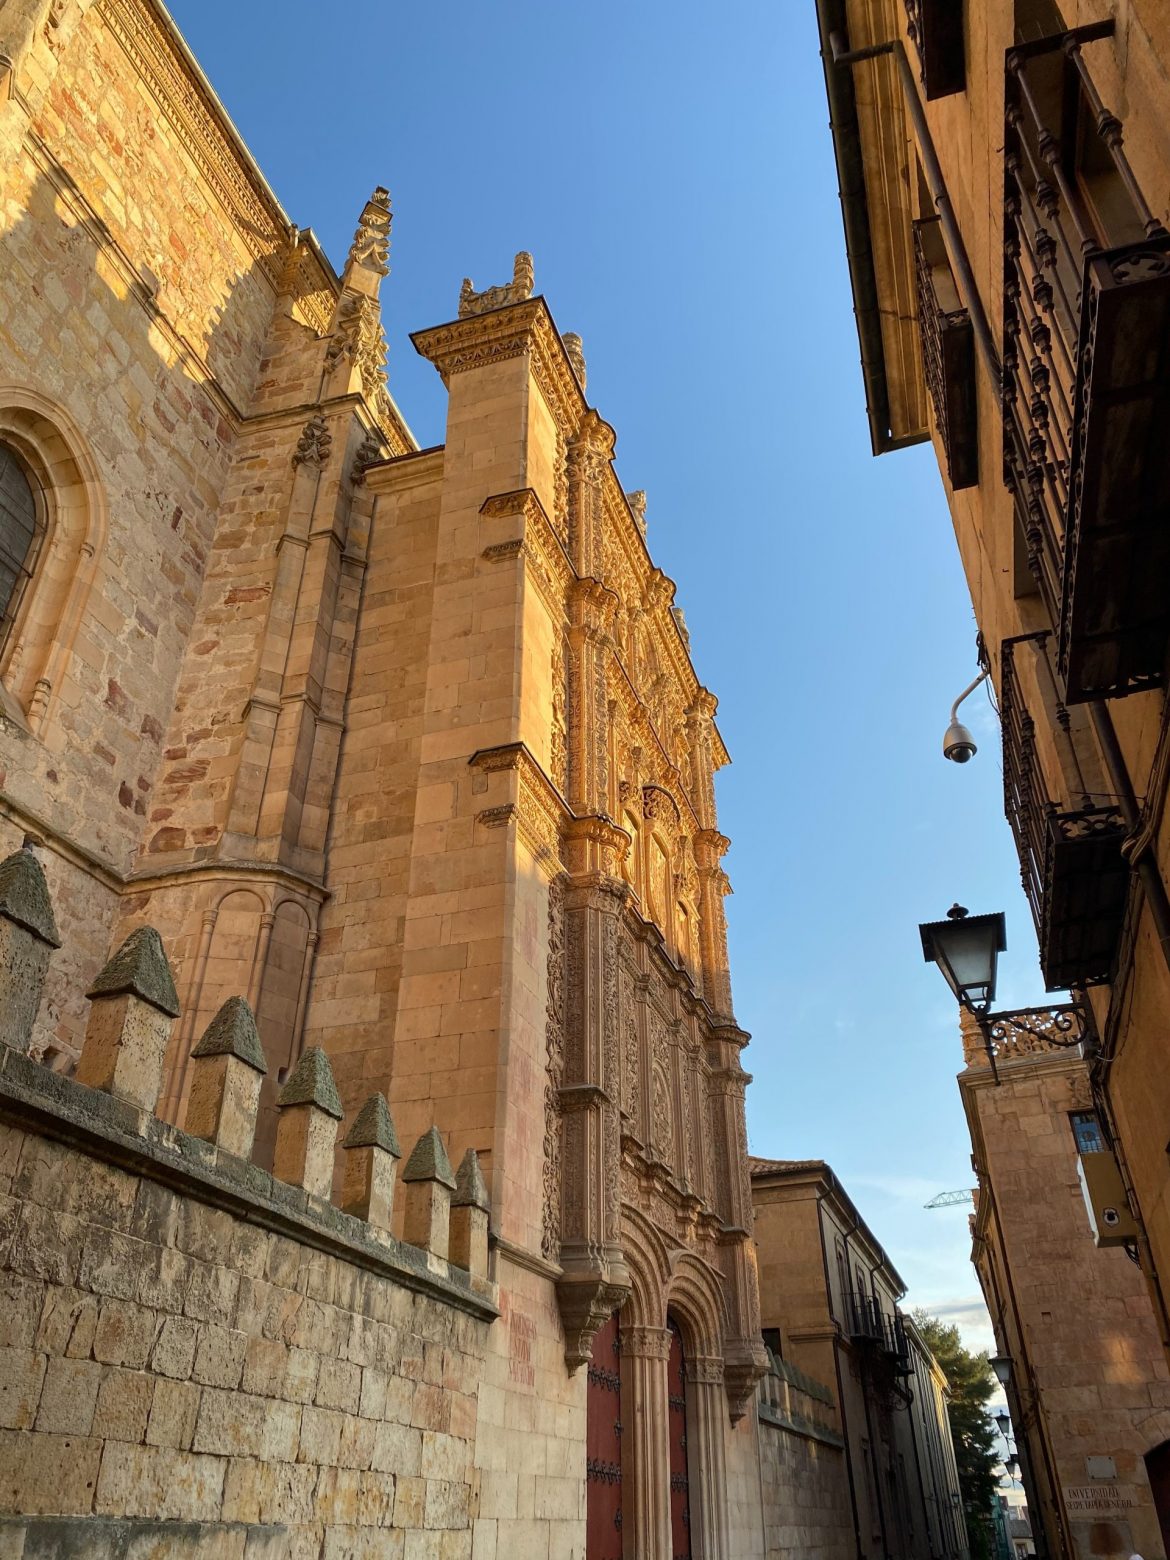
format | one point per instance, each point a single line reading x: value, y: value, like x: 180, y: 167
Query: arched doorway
x: 1158, y: 1472
x: 603, y: 1445
x: 676, y: 1403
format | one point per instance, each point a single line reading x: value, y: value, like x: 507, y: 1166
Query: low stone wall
x: 802, y: 1466
x: 199, y: 1357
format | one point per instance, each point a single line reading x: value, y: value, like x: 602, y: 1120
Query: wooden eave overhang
x: 871, y: 150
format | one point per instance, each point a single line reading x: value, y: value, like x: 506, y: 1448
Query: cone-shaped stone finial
x: 227, y: 1067
x: 24, y: 896
x: 470, y: 1187
x: 429, y: 1162
x: 311, y: 1083
x: 373, y: 1127
x: 139, y: 969
x: 233, y: 1032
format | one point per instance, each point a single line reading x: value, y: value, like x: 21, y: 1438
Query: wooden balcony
x: 1068, y: 836
x: 936, y: 31
x: 1086, y: 394
x: 948, y: 353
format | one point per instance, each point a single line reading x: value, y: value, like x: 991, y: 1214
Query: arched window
x: 22, y: 529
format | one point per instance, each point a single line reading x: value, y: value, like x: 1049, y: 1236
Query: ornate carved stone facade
x: 404, y: 746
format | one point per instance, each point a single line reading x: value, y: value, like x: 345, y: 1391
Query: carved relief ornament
x: 371, y: 242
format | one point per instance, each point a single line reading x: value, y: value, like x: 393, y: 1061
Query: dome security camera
x: 959, y: 744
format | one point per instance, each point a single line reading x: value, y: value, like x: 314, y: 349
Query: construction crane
x: 952, y: 1199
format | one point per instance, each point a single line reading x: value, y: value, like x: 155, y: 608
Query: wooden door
x: 1158, y: 1469
x: 603, y: 1445
x: 680, y: 1503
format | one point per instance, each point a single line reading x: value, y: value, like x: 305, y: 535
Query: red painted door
x: 680, y: 1503
x: 603, y: 1446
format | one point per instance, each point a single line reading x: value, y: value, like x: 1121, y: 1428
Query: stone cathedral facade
x: 405, y: 748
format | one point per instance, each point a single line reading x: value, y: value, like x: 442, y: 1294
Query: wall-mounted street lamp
x: 1001, y: 1364
x: 966, y: 949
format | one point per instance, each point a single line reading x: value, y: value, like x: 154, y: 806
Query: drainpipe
x: 841, y: 1386
x: 877, y: 1483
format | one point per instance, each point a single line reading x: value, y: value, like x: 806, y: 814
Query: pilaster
x: 469, y: 1033
x: 707, y: 1457
x: 645, y: 1355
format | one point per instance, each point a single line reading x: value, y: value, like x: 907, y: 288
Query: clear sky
x: 668, y: 163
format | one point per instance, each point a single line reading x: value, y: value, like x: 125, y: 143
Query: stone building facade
x: 404, y: 750
x: 1089, y: 1392
x: 829, y: 1298
x: 1003, y: 174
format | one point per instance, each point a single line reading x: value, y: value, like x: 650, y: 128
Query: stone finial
x: 134, y: 1006
x: 371, y: 242
x: 28, y: 936
x: 371, y: 1155
x: 470, y: 1208
x: 429, y: 1183
x: 680, y: 619
x: 575, y: 352
x: 518, y: 290
x: 306, y: 1128
x: 227, y: 1068
x: 637, y: 503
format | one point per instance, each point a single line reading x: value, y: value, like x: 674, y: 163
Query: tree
x: 971, y: 1385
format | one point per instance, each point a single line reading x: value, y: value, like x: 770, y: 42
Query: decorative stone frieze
x: 518, y: 290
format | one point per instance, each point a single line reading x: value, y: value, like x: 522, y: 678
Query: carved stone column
x: 645, y: 1352
x: 707, y: 1458
x: 595, y: 1279
x: 699, y: 719
x: 743, y: 1352
x: 591, y: 614
x: 709, y: 846
x: 588, y: 454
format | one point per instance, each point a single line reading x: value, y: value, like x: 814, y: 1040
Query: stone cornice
x: 520, y: 330
x: 404, y: 471
x: 538, y: 544
x: 539, y: 810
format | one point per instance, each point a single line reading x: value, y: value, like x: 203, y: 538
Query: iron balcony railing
x: 1068, y: 836
x: 948, y: 353
x: 868, y: 1324
x: 1086, y: 371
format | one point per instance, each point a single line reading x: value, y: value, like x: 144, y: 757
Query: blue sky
x: 669, y: 166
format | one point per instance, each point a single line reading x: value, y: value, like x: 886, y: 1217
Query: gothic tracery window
x: 22, y: 529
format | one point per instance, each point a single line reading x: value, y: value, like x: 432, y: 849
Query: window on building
x: 1087, y: 1132
x: 22, y: 528
x: 771, y: 1337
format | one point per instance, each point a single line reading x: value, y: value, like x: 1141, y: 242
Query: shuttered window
x: 21, y: 531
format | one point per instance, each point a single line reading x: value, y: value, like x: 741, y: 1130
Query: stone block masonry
x: 196, y: 1357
